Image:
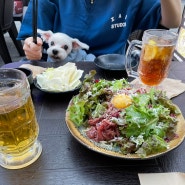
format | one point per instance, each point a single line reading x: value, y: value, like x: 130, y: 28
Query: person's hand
x: 33, y: 51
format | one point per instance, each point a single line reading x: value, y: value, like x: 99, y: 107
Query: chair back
x: 6, y: 14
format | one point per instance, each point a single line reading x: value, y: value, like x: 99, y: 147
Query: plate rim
x: 173, y: 144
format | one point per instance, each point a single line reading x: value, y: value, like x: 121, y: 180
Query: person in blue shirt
x: 104, y: 25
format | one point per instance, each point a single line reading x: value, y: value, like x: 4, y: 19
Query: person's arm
x: 46, y: 14
x: 171, y: 11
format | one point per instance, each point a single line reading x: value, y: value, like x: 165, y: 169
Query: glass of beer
x: 19, y: 146
x: 157, y: 47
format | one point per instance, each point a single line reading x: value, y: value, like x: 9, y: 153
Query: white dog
x: 64, y: 48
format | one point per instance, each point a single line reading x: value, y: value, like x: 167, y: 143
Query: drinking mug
x: 19, y: 129
x: 157, y: 47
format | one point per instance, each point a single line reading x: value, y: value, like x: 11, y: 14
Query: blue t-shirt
x: 104, y: 25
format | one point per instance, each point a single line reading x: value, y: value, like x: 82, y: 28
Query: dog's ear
x: 77, y: 44
x: 45, y: 35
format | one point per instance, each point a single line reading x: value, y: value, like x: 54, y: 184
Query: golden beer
x: 19, y: 129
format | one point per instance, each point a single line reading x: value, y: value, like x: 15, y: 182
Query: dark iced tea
x: 154, y: 62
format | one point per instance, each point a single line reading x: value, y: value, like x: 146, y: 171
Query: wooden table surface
x: 65, y: 161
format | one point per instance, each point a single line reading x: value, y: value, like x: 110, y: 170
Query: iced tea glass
x: 19, y: 146
x: 157, y: 49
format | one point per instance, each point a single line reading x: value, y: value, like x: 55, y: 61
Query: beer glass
x: 19, y: 129
x: 157, y: 47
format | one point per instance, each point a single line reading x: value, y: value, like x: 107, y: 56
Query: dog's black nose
x: 55, y: 52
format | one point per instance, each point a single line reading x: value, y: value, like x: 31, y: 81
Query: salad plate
x: 162, y: 136
x: 92, y: 145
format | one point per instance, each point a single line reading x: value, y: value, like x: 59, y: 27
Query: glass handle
x: 129, y: 62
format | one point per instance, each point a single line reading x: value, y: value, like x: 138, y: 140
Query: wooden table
x: 65, y: 161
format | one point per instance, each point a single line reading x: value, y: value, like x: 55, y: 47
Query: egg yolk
x: 121, y: 101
